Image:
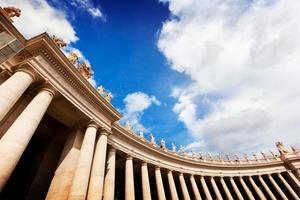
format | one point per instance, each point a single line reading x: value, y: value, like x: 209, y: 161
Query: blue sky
x: 212, y: 75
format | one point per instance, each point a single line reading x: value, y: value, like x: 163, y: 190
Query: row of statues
x: 232, y: 158
x: 107, y: 95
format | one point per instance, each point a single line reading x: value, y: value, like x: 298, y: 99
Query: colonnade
x: 88, y: 166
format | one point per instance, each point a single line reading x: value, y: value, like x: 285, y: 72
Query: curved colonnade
x: 53, y: 120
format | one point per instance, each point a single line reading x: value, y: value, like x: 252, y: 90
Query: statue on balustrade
x: 59, y: 42
x: 227, y: 156
x: 12, y: 11
x: 163, y: 144
x: 73, y: 57
x: 281, y: 148
x: 173, y: 148
x: 209, y: 157
x: 108, y: 97
x: 85, y: 70
x: 127, y: 125
x: 100, y: 90
x: 237, y: 158
x: 294, y: 149
x: 182, y: 150
x: 141, y: 134
x: 246, y: 157
x: 152, y: 139
x: 273, y: 154
x: 255, y: 156
x: 201, y: 156
x: 264, y: 155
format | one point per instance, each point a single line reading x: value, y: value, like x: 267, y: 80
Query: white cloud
x: 38, y: 16
x: 135, y: 105
x: 243, y: 60
x: 89, y: 7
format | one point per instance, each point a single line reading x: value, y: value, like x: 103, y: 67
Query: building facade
x: 60, y: 139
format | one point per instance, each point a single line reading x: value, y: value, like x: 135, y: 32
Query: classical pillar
x: 97, y: 175
x: 236, y: 189
x: 205, y: 188
x: 145, y: 182
x: 249, y: 193
x: 195, y: 188
x: 80, y: 182
x: 64, y: 173
x: 172, y: 186
x: 294, y: 178
x: 109, y: 181
x: 257, y: 189
x: 216, y: 190
x: 292, y: 192
x: 277, y: 187
x: 184, y: 189
x: 159, y: 185
x: 12, y: 89
x: 227, y: 192
x: 15, y: 140
x: 270, y: 193
x: 129, y: 179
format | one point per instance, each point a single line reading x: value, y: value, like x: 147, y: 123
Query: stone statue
x: 237, y: 158
x: 85, y: 70
x: 294, y: 149
x: 264, y: 155
x: 227, y: 156
x: 173, y: 147
x: 100, y: 90
x: 246, y: 157
x: 282, y: 150
x: 152, y: 139
x: 193, y: 154
x: 141, y: 134
x: 219, y: 157
x: 73, y: 58
x: 254, y: 156
x: 108, y: 97
x: 12, y: 11
x: 128, y: 126
x: 201, y: 156
x: 209, y: 157
x: 163, y: 144
x: 273, y: 155
x: 59, y: 42
x: 182, y: 150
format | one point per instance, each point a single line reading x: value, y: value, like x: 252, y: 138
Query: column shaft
x: 294, y: 178
x: 205, y: 188
x: 172, y: 186
x: 145, y: 182
x: 80, y: 182
x: 249, y: 193
x: 159, y: 185
x: 277, y: 187
x: 129, y: 179
x: 228, y: 194
x: 62, y: 180
x: 184, y: 189
x: 12, y: 89
x: 257, y: 189
x: 292, y: 192
x: 216, y: 190
x: 270, y: 193
x: 236, y: 189
x: 109, y: 181
x: 195, y: 188
x: 15, y: 140
x: 97, y: 175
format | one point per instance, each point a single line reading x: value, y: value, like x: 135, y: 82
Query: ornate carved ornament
x: 12, y: 11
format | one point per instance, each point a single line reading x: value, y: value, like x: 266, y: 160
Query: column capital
x: 129, y: 157
x: 49, y: 88
x: 113, y: 150
x: 27, y: 69
x: 157, y: 168
x: 144, y: 163
x: 104, y: 131
x: 92, y: 123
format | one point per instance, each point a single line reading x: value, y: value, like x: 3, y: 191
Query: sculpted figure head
x: 12, y: 11
x: 85, y: 70
x: 281, y: 148
x: 59, y: 42
x: 73, y: 57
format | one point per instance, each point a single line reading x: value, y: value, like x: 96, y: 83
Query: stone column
x: 62, y: 180
x: 236, y: 189
x: 129, y: 179
x: 257, y: 189
x: 12, y: 89
x: 15, y: 140
x: 277, y: 187
x: 184, y: 189
x: 227, y: 192
x: 205, y: 188
x: 216, y: 190
x: 80, y: 182
x: 109, y: 181
x: 249, y: 193
x: 145, y: 182
x: 270, y: 193
x: 97, y: 175
x: 292, y: 192
x: 195, y: 188
x: 172, y: 186
x: 294, y: 178
x: 159, y: 185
